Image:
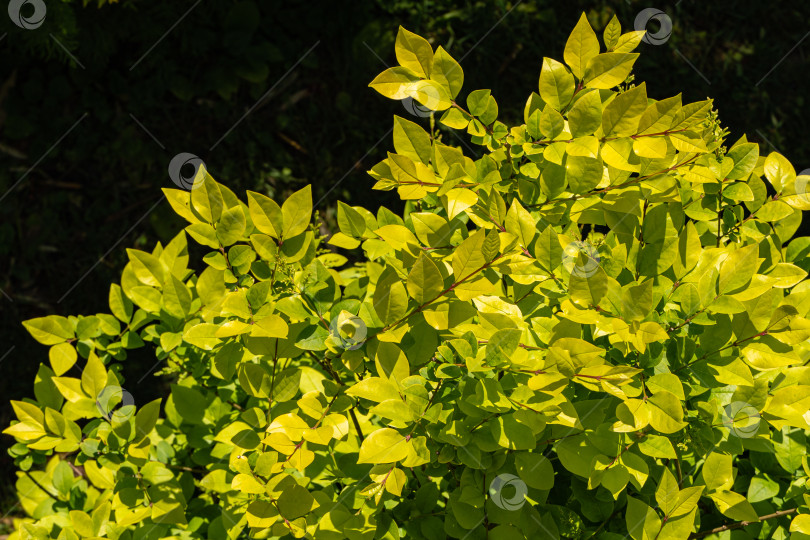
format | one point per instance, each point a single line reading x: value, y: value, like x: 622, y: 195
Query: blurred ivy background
x: 273, y: 95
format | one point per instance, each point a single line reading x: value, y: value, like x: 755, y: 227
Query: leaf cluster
x: 597, y: 328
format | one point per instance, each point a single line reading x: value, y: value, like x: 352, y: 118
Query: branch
x: 441, y: 294
x: 741, y: 524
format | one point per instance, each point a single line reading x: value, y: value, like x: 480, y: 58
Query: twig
x: 741, y: 524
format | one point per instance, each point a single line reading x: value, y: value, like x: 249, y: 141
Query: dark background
x: 73, y: 199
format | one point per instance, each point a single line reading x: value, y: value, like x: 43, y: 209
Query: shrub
x: 596, y: 328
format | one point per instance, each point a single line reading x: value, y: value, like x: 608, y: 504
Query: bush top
x: 592, y: 324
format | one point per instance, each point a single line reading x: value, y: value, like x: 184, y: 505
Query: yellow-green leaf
x: 296, y: 213
x: 607, y: 70
x: 581, y: 47
x: 385, y: 445
x: 556, y: 84
x: 425, y: 280
x: 414, y: 52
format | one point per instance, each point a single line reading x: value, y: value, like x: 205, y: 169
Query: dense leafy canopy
x: 596, y: 328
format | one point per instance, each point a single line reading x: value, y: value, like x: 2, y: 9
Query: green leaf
x: 588, y: 290
x: 431, y: 229
x: 762, y: 489
x: 430, y: 94
x: 50, y: 330
x: 585, y: 115
x: 534, y: 469
x: 261, y: 514
x: 271, y: 326
x: 717, y: 473
x: 550, y: 123
x: 45, y: 389
x: 793, y: 445
x: 94, y: 376
x: 255, y: 379
x: 62, y: 356
x: 687, y: 501
x: 395, y: 82
x: 612, y: 32
x: 607, y: 70
x: 190, y: 404
x: 350, y: 221
x: 745, y: 158
x: 120, y: 305
x: 148, y: 269
x: 63, y: 477
x: 411, y: 140
x: 180, y: 201
x: 556, y: 84
x: 394, y: 409
x: 583, y: 173
x: 547, y: 249
x: 651, y: 147
x: 520, y: 223
x: 82, y: 523
x: 231, y: 226
x: 414, y: 53
x: 657, y: 446
x: 447, y: 72
x: 629, y: 41
x: 800, y: 524
x: 425, y: 280
x: 296, y: 501
x: 642, y: 521
x: 455, y: 119
x: 203, y: 234
x: 468, y: 257
x: 265, y: 214
x: 245, y: 483
x: 373, y: 389
x: 390, y: 299
x: 286, y: 384
x: 581, y: 47
x: 667, y: 493
x: 202, y: 335
x: 734, y: 506
x: 384, y: 445
x: 511, y: 434
x: 576, y: 455
x: 146, y: 418
x: 666, y: 412
x: 659, y: 115
x: 296, y: 213
x: 738, y: 268
x: 502, y: 345
x: 206, y: 197
x: 622, y: 115
x: 176, y: 298
x: 482, y: 105
x: 779, y: 172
